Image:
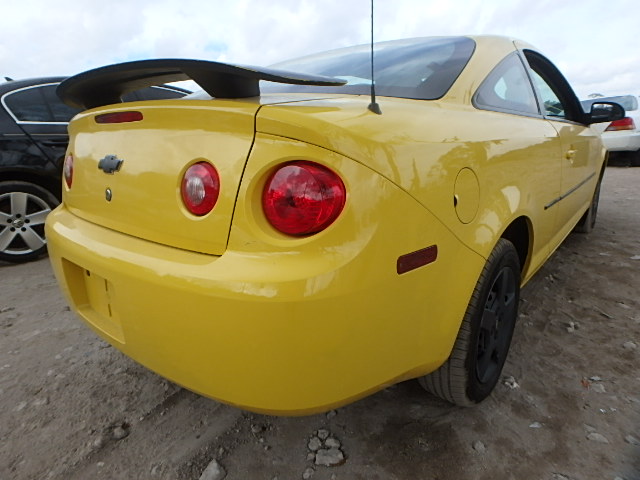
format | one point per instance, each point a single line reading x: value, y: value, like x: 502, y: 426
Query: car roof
x: 10, y: 85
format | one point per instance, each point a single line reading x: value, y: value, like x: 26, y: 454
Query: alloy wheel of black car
x: 23, y: 210
x: 475, y: 364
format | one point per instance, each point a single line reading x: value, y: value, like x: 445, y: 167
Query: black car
x: 33, y: 141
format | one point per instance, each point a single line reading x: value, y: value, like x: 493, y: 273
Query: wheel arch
x: 49, y: 183
x: 519, y: 232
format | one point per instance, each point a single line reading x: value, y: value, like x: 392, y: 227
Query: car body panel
x: 33, y: 142
x: 621, y: 142
x: 581, y: 166
x: 30, y: 151
x: 229, y: 307
x: 171, y: 138
x: 272, y: 311
x: 425, y: 158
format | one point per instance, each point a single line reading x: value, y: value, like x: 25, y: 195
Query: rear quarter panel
x: 422, y: 146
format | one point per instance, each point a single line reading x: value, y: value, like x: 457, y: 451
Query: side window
x: 38, y: 104
x: 28, y: 105
x: 507, y: 89
x: 553, y: 106
x: 555, y: 94
x: 61, y: 112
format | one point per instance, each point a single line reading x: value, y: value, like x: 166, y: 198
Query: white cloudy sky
x: 596, y: 43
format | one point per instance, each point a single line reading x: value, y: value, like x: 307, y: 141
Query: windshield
x: 420, y: 68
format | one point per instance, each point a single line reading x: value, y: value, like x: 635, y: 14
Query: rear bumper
x: 292, y: 345
x: 277, y: 324
x: 621, y: 141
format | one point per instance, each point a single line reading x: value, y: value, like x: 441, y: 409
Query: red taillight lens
x: 119, y: 117
x: 302, y: 198
x: 625, y: 123
x: 67, y: 170
x: 200, y: 188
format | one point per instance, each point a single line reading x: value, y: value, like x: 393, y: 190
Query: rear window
x: 419, y: 68
x: 154, y: 93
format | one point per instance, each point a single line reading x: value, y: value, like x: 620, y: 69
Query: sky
x: 595, y: 43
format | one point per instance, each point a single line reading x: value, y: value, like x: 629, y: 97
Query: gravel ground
x: 568, y: 407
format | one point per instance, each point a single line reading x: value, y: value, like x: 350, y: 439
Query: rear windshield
x: 628, y: 102
x: 420, y: 68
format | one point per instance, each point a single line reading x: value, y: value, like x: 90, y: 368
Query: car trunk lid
x: 141, y: 196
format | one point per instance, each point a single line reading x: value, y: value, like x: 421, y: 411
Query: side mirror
x: 605, y: 112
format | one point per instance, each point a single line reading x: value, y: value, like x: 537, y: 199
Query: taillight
x: 119, y: 117
x: 67, y: 170
x: 302, y: 198
x: 625, y: 123
x: 200, y: 188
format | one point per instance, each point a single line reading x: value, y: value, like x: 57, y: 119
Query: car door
x: 581, y: 152
x: 532, y: 148
x: 42, y: 121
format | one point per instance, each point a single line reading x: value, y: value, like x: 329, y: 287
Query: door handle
x: 571, y: 154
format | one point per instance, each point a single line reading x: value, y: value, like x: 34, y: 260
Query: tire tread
x: 450, y: 381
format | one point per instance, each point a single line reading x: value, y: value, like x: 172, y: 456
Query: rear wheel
x: 480, y: 350
x: 588, y: 220
x: 23, y: 209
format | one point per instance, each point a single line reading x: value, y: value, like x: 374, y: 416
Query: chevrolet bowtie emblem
x: 110, y: 164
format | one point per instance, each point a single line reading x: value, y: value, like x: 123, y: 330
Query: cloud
x: 592, y: 42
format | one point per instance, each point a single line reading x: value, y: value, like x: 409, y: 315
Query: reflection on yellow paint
x: 512, y: 194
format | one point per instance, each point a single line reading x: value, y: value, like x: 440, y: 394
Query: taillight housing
x: 302, y: 198
x: 119, y: 117
x: 625, y: 123
x: 200, y: 188
x: 67, y: 170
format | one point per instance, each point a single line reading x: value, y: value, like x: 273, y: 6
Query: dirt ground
x: 75, y: 408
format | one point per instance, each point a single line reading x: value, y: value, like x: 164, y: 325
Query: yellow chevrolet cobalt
x: 288, y: 242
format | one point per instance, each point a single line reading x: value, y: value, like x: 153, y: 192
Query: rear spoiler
x: 106, y: 85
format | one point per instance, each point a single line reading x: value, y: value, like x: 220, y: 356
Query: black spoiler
x: 106, y: 85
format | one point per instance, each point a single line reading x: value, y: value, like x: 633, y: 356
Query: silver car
x: 621, y: 137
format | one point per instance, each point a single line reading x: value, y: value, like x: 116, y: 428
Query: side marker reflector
x: 416, y: 259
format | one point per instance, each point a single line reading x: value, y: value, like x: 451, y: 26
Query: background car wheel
x: 480, y: 350
x: 23, y: 209
x: 588, y: 220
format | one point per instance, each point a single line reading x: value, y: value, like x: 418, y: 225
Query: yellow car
x: 292, y: 239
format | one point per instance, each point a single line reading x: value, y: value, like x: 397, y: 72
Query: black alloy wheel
x: 588, y: 220
x: 496, y: 326
x: 475, y: 364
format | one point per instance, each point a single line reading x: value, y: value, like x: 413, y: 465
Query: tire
x: 474, y: 367
x: 24, y: 207
x: 588, y: 220
x: 618, y: 159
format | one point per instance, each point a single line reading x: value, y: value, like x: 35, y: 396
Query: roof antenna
x: 373, y: 106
